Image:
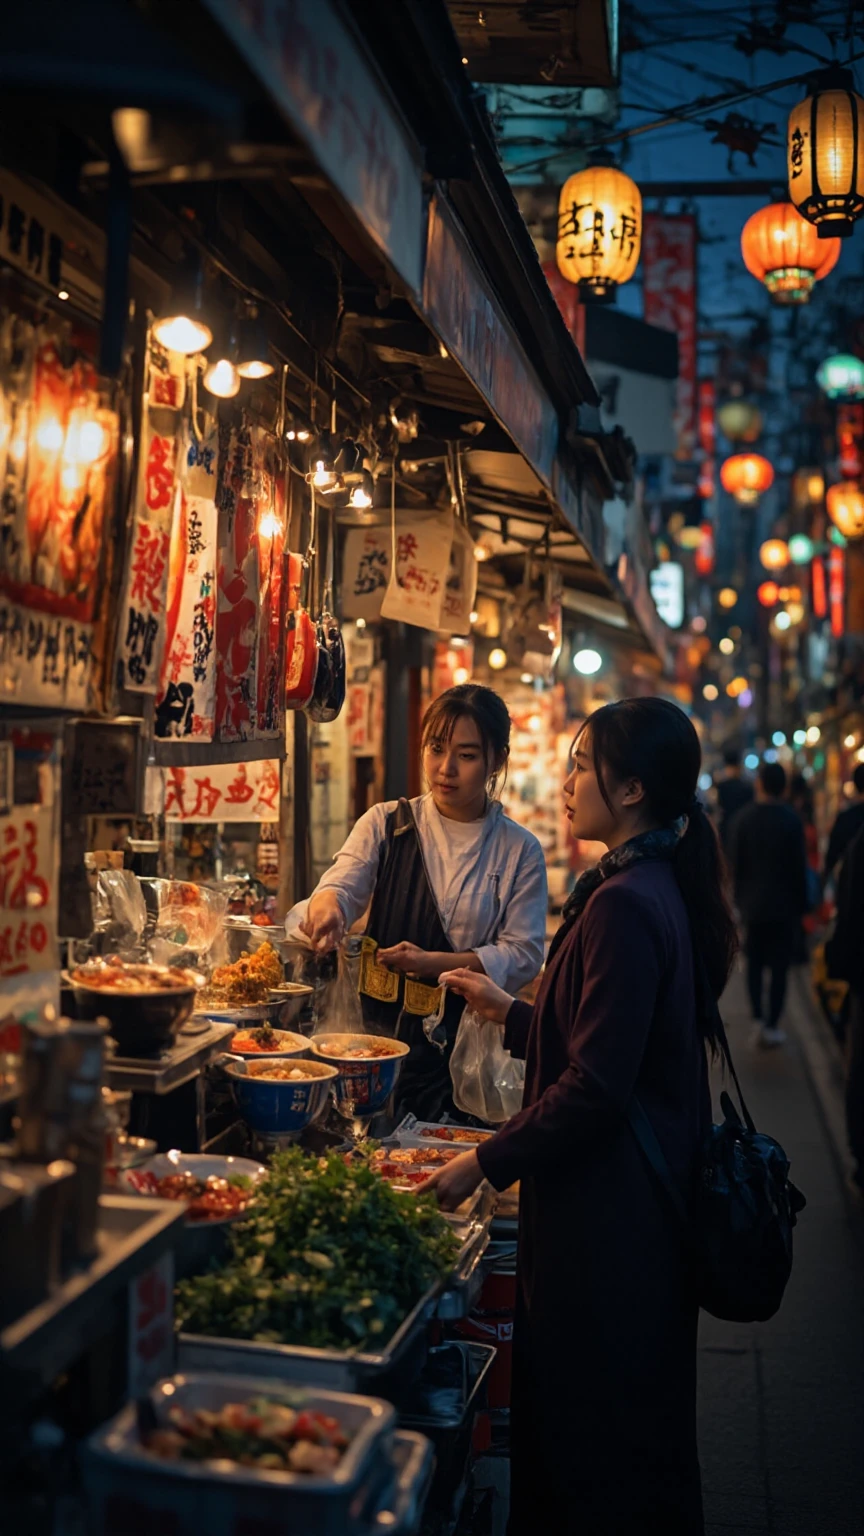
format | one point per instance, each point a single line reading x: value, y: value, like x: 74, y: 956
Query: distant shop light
x: 770, y: 755
x: 736, y: 687
x: 587, y: 661
x: 253, y: 347
x: 801, y: 549
x: 497, y: 659
x: 779, y: 738
x: 710, y: 692
x: 745, y: 698
x: 782, y: 620
x: 813, y: 736
x: 727, y: 597
x: 850, y: 741
x: 799, y: 738
x: 727, y: 646
x: 845, y: 503
x: 751, y: 762
x: 774, y: 554
x: 460, y: 675
x: 841, y: 377
x: 667, y: 589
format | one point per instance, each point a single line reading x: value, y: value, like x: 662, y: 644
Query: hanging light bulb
x: 497, y: 659
x: 184, y: 328
x: 297, y: 428
x: 269, y: 525
x: 322, y: 474
x: 253, y: 350
x: 361, y: 494
x: 222, y: 379
x: 587, y: 661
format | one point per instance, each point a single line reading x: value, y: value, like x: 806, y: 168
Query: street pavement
x: 781, y: 1404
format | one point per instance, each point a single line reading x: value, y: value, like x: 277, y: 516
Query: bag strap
x: 653, y: 1153
x: 705, y: 997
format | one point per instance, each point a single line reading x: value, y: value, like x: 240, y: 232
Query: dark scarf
x: 659, y: 844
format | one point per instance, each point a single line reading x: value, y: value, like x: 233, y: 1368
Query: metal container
x: 216, y: 1496
x: 397, y: 1362
x: 443, y: 1405
x: 32, y: 1201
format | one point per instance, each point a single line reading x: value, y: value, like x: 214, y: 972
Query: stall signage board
x: 669, y: 286
x: 321, y: 79
x: 220, y: 792
x: 186, y: 701
x: 44, y: 659
x: 667, y: 590
x: 142, y: 614
x: 469, y: 320
x: 28, y: 891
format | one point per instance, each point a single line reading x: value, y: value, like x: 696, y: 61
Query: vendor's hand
x: 324, y: 923
x: 455, y: 1181
x: 403, y: 957
x: 480, y: 993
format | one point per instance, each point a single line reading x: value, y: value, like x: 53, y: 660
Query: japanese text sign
x: 669, y: 276
x: 222, y: 792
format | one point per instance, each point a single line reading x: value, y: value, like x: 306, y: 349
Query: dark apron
x: 404, y: 910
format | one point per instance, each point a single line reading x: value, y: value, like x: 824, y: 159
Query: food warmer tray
x: 398, y: 1361
x: 464, y: 1286
x: 221, y: 1496
x: 178, y: 1065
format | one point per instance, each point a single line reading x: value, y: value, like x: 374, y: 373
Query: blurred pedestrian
x: 733, y: 793
x: 801, y: 800
x: 844, y: 957
x: 847, y: 825
x: 769, y: 867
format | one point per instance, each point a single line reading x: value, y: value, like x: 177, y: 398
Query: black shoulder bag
x: 739, y: 1227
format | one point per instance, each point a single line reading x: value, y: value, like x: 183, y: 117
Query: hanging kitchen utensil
x: 301, y: 647
x: 329, y: 695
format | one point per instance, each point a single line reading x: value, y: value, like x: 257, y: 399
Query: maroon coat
x: 603, y: 1414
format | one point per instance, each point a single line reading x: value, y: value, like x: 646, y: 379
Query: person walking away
x: 769, y: 866
x: 603, y: 1414
x: 733, y: 793
x: 844, y: 957
x: 847, y: 825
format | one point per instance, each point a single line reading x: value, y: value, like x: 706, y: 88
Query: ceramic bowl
x: 280, y: 1106
x: 364, y: 1085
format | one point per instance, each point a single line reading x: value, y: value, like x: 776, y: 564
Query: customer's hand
x: 480, y: 993
x: 456, y: 1181
x: 324, y: 923
x: 404, y: 957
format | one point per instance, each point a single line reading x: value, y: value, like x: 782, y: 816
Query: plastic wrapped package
x: 487, y: 1081
x: 190, y: 921
x: 119, y: 914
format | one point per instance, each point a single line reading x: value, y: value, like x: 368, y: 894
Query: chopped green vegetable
x: 331, y: 1257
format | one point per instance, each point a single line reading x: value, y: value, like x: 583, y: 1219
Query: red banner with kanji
x: 28, y: 891
x: 221, y: 792
x: 669, y: 288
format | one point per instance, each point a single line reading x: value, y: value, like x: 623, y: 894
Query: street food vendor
x: 452, y: 882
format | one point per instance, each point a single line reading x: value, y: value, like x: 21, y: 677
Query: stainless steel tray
x: 464, y: 1286
x: 342, y: 1370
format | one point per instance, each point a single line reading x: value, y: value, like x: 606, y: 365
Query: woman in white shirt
x: 452, y: 882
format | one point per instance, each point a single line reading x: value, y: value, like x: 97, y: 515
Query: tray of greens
x: 331, y: 1280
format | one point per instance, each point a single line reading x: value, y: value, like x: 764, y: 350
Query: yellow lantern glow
x: 826, y: 166
x: 599, y: 230
x: 808, y: 488
x: 737, y: 686
x: 774, y: 554
x: 740, y: 420
x: 727, y: 597
x: 845, y: 503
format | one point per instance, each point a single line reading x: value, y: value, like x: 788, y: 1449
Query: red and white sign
x: 28, y: 891
x: 142, y: 614
x: 669, y: 286
x: 222, y: 792
x: 707, y: 425
x: 151, y: 1326
x: 186, y: 702
x: 837, y: 590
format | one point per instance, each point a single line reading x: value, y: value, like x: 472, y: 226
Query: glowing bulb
x: 782, y: 620
x: 63, y: 293
x: 359, y: 497
x: 50, y: 435
x: 848, y: 742
x: 256, y: 369
x: 710, y: 692
x: 482, y: 552
x: 587, y: 661
x: 727, y: 597
x: 535, y: 723
x: 813, y: 736
x: 799, y: 738
x: 795, y: 611
x: 179, y: 333
x: 269, y: 525
x: 222, y: 379
x: 699, y: 624
x: 497, y: 659
x: 473, y: 616
x: 727, y: 646
x: 779, y: 739
x: 460, y: 676
x: 322, y: 475
x: 745, y: 698
x: 526, y: 677
x: 361, y: 624
x: 736, y: 687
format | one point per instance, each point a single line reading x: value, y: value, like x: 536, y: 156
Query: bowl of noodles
x: 281, y: 1098
x: 369, y: 1067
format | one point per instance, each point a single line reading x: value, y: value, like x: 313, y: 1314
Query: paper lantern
x: 845, y: 503
x: 740, y: 420
x: 786, y: 253
x: 808, y: 488
x: 746, y: 476
x: 768, y: 594
x: 841, y: 376
x: 774, y: 554
x: 823, y: 143
x: 599, y: 230
x: 800, y: 549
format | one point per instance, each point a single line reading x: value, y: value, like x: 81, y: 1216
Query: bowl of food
x: 144, y: 1004
x: 214, y: 1189
x: 280, y: 1098
x: 262, y: 1040
x: 369, y: 1067
x: 245, y: 984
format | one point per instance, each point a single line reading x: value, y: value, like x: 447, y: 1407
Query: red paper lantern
x: 704, y: 558
x: 786, y: 253
x: 746, y: 476
x: 768, y: 594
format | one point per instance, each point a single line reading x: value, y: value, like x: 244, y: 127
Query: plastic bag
x: 337, y: 1003
x: 119, y: 914
x: 487, y: 1081
x: 190, y: 920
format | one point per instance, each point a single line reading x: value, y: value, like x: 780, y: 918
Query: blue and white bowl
x: 280, y: 1106
x: 365, y: 1083
x: 288, y: 1045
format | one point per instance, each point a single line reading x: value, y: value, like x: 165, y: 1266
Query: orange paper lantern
x: 746, y: 476
x: 768, y: 594
x: 786, y: 253
x: 845, y: 503
x: 774, y: 554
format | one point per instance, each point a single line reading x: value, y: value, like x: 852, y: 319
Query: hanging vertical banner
x: 818, y: 588
x: 837, y: 590
x: 142, y: 613
x: 669, y: 287
x: 707, y: 426
x: 270, y: 534
x: 186, y: 701
x: 850, y: 437
x: 237, y: 590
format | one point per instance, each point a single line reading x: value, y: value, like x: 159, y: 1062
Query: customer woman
x: 452, y: 882
x: 604, y: 1375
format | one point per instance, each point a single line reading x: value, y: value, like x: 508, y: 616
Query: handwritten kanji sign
x: 220, y: 792
x: 28, y: 891
x: 141, y: 632
x: 415, y: 594
x: 186, y: 700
